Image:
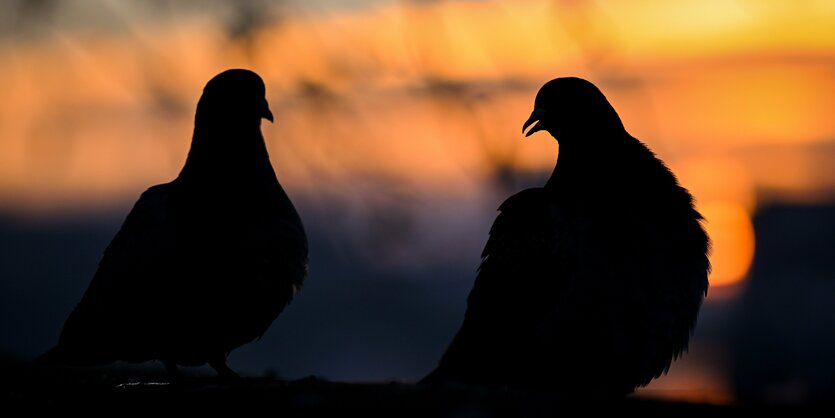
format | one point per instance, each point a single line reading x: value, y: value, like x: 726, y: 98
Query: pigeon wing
x: 125, y: 304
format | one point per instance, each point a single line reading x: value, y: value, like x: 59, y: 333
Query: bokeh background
x: 398, y: 134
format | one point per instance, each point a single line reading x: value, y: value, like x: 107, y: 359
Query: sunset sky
x: 377, y: 100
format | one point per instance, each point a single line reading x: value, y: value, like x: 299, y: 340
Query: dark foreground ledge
x: 32, y: 392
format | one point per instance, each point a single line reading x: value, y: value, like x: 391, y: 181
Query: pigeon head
x: 571, y: 108
x: 233, y: 98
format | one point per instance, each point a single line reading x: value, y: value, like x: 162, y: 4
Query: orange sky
x: 92, y: 119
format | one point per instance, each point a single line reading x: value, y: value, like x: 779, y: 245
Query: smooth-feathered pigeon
x: 203, y: 264
x: 591, y: 285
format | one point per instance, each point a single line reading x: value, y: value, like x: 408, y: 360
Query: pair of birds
x: 588, y: 285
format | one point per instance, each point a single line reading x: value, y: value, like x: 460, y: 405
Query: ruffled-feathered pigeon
x: 590, y: 285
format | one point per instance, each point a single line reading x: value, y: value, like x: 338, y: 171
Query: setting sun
x: 732, y: 233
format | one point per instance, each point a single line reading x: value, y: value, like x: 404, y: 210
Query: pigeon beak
x: 265, y: 111
x: 536, y: 116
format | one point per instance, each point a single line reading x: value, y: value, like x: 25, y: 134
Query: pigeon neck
x: 220, y: 156
x: 585, y: 161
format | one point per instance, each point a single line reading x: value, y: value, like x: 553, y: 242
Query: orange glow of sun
x: 732, y: 235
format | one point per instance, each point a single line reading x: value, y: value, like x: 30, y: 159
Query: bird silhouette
x: 203, y: 264
x: 590, y: 285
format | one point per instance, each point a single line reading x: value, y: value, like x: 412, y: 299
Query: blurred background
x: 398, y: 134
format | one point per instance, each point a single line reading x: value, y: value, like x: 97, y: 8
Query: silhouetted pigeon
x: 591, y: 285
x: 203, y: 264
